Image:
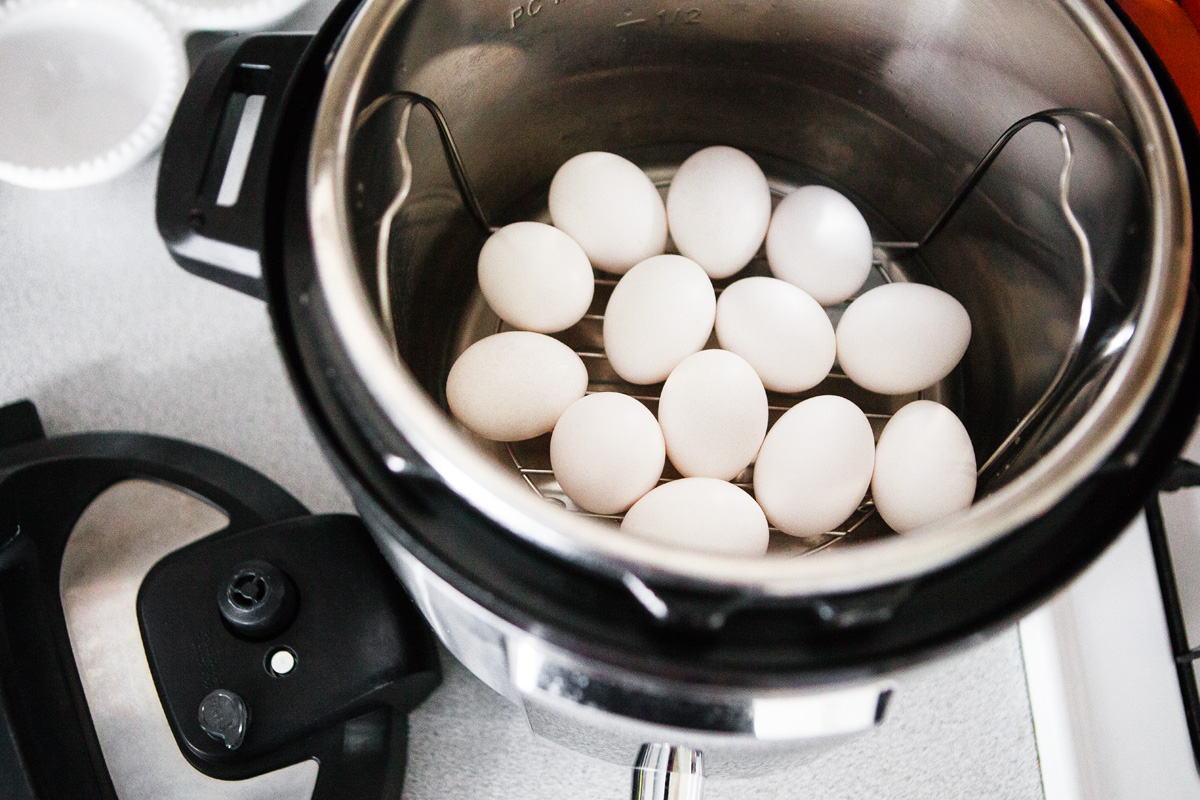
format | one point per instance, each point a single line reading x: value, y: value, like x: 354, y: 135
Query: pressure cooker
x: 1030, y: 158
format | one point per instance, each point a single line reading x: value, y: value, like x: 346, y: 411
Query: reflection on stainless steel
x: 385, y: 228
x: 1087, y: 291
x: 609, y: 713
x: 116, y: 541
x: 546, y: 675
x: 664, y: 772
x: 454, y: 161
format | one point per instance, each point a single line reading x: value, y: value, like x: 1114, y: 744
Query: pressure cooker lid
x: 118, y: 550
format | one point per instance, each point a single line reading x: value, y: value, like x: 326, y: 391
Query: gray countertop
x: 104, y: 332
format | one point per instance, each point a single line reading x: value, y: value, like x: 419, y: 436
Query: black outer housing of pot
x: 709, y: 638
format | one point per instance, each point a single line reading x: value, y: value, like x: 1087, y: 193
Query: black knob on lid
x: 258, y: 601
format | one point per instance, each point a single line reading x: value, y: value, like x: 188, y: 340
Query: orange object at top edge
x: 1171, y: 29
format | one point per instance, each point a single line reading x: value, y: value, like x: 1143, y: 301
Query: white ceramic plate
x: 226, y: 15
x: 87, y: 89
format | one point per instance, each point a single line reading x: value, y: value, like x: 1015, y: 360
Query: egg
x: 902, y: 337
x: 779, y: 329
x: 514, y: 385
x: 608, y: 205
x: 713, y: 413
x: 924, y: 466
x: 660, y: 312
x: 606, y: 452
x: 702, y: 514
x: 815, y: 466
x: 718, y: 209
x: 535, y: 277
x: 819, y: 241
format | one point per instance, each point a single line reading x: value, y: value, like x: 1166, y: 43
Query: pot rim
x: 505, y: 500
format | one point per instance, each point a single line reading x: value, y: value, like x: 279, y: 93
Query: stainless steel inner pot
x: 891, y: 103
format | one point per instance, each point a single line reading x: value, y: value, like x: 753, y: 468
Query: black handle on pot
x: 212, y: 182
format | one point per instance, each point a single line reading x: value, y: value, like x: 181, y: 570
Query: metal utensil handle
x: 453, y: 160
x: 1053, y: 117
x: 666, y: 772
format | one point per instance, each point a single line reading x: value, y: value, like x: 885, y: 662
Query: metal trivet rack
x: 531, y: 457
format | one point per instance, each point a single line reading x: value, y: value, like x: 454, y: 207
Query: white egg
x: 779, y: 329
x: 606, y: 452
x: 815, y: 466
x: 819, y: 241
x: 535, y: 277
x: 713, y: 413
x: 608, y: 205
x: 924, y: 466
x: 718, y: 209
x: 514, y: 385
x: 660, y: 312
x: 902, y: 337
x: 700, y: 514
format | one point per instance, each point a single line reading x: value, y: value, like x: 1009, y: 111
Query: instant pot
x: 1030, y: 158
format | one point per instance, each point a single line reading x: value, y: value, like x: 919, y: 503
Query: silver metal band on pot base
x: 609, y: 713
